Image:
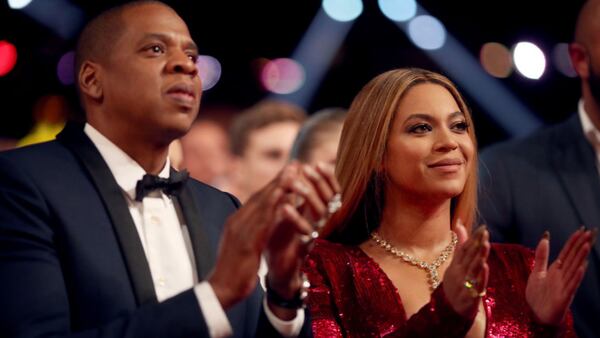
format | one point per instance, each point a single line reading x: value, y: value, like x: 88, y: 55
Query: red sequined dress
x: 351, y: 296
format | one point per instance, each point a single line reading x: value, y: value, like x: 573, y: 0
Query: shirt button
x: 155, y: 220
x: 161, y: 281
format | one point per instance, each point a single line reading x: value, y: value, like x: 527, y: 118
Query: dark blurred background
x: 245, y: 35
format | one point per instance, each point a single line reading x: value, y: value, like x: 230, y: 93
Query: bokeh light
x: 398, y: 10
x: 283, y: 76
x: 18, y: 4
x: 562, y: 61
x: 8, y: 57
x: 343, y: 10
x: 209, y: 69
x: 496, y: 59
x: 427, y: 32
x: 65, y: 68
x: 529, y: 60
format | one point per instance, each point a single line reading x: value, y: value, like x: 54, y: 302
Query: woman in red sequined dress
x: 397, y: 260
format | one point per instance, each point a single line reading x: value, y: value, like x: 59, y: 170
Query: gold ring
x: 470, y: 283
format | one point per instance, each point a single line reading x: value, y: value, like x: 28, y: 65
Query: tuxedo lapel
x: 575, y: 163
x: 203, y: 250
x: 75, y: 139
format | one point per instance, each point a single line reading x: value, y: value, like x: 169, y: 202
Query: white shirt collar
x: 125, y: 169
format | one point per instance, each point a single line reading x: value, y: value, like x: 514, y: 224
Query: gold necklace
x: 431, y: 268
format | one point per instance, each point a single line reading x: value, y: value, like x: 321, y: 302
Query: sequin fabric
x: 351, y: 296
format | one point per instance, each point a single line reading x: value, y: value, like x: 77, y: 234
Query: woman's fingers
x: 573, y: 283
x: 566, y: 250
x: 472, y: 247
x: 475, y: 267
x: 578, y: 259
x: 582, y: 239
x: 483, y: 278
x: 542, y: 251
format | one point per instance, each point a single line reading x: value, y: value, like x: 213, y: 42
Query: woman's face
x: 429, y: 151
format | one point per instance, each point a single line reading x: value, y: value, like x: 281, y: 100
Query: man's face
x: 150, y: 81
x: 267, y: 152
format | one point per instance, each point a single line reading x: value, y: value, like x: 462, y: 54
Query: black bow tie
x: 170, y: 186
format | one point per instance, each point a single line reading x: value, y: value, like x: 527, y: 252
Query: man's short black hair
x: 97, y: 37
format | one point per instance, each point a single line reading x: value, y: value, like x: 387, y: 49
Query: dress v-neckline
x: 399, y: 301
x: 386, y: 278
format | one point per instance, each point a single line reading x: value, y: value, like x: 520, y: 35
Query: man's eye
x: 193, y: 57
x: 156, y: 49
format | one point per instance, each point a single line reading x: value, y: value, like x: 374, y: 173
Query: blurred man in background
x: 261, y: 139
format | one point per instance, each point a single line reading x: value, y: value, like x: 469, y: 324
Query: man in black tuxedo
x: 550, y: 180
x: 100, y: 238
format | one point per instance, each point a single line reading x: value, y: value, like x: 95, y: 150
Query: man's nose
x: 181, y: 62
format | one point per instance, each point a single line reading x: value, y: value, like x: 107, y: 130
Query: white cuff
x: 287, y: 328
x: 214, y: 315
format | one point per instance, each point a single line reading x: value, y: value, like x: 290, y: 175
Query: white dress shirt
x: 591, y: 132
x: 165, y: 239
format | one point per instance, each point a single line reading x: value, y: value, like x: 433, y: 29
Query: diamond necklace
x: 431, y: 268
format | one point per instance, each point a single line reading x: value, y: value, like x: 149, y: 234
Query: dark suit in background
x: 548, y: 181
x: 71, y: 261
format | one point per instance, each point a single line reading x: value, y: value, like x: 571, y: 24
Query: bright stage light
x: 8, y: 57
x: 283, y: 76
x: 66, y: 68
x: 496, y: 59
x: 529, y: 60
x: 209, y: 70
x: 398, y: 10
x: 343, y: 10
x: 427, y: 32
x: 18, y: 4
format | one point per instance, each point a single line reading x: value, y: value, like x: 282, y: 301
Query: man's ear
x: 89, y: 79
x: 579, y: 59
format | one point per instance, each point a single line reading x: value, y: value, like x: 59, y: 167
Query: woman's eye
x: 461, y: 126
x: 420, y: 128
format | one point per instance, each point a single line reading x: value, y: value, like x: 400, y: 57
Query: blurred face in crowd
x: 266, y: 153
x: 206, y: 152
x: 325, y: 149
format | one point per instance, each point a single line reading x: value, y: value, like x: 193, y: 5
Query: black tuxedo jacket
x: 72, y: 264
x: 548, y: 181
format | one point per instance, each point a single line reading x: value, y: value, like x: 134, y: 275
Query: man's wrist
x: 292, y: 299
